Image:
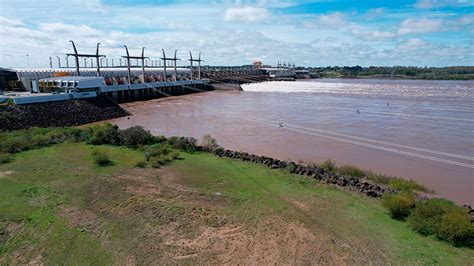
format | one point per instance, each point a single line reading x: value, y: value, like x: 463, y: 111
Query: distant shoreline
x: 392, y: 78
x: 396, y: 72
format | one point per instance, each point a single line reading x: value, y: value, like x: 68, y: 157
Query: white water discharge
x: 365, y: 87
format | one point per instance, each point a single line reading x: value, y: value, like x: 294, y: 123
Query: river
x: 422, y: 130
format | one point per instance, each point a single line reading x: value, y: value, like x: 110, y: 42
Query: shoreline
x: 186, y: 117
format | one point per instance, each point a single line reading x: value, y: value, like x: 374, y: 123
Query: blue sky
x: 309, y: 33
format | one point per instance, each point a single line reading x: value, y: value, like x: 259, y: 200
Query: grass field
x: 58, y: 207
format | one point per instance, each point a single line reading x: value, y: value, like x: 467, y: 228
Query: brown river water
x: 422, y: 130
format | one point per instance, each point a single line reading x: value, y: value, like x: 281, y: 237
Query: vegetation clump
x: 291, y: 167
x: 209, y: 143
x: 101, y: 158
x: 136, y: 136
x: 443, y: 219
x: 406, y: 185
x: 104, y: 134
x: 5, y: 158
x: 328, y: 165
x: 187, y: 144
x: 350, y: 170
x: 399, y: 205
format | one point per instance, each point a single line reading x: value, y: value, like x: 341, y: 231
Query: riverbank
x: 197, y: 209
x: 423, y: 133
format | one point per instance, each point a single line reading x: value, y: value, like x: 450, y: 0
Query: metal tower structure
x: 128, y: 57
x: 174, y: 59
x: 199, y: 64
x: 77, y: 56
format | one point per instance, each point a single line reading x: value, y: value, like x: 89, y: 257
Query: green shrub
x: 406, y: 185
x: 350, y: 170
x: 155, y: 150
x: 183, y: 143
x: 141, y: 164
x: 104, y: 134
x: 456, y: 228
x: 379, y: 178
x: 157, y: 162
x: 167, y: 158
x: 5, y: 158
x: 136, y: 136
x: 291, y: 167
x: 22, y: 140
x: 174, y: 154
x: 75, y: 134
x: 328, y: 165
x: 101, y: 158
x: 399, y: 205
x: 426, y: 216
x: 159, y: 139
x: 209, y: 143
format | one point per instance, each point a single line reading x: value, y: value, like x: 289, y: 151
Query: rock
x: 342, y: 181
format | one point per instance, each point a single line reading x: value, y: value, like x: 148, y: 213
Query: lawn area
x: 58, y: 207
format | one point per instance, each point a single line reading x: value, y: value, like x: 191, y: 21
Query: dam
x: 146, y: 79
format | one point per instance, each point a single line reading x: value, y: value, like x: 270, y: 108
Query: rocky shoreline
x: 356, y: 184
x: 59, y: 114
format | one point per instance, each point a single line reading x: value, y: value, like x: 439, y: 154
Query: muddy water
x: 423, y: 130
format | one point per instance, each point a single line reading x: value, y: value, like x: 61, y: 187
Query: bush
x: 328, y: 165
x: 406, y: 185
x: 75, y: 134
x: 427, y: 215
x: 157, y: 162
x: 141, y: 164
x: 155, y: 150
x: 291, y: 167
x: 136, y: 136
x: 219, y: 150
x: 399, y: 205
x: 5, y: 158
x: 456, y: 228
x: 104, y: 134
x: 101, y: 158
x: 22, y: 140
x: 174, y: 154
x: 209, y: 143
x: 350, y: 170
x: 183, y: 143
x: 379, y: 178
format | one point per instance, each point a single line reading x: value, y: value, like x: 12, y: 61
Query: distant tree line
x: 444, y: 73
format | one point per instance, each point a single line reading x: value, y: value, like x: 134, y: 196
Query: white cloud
x: 428, y: 4
x: 423, y: 25
x: 197, y: 27
x: 246, y: 14
x: 367, y: 35
x: 12, y: 22
x: 334, y: 20
x: 412, y: 44
x: 375, y: 12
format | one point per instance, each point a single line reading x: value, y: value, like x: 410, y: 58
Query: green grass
x: 257, y: 191
x: 36, y: 183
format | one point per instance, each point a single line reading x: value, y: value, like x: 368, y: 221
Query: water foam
x: 366, y: 87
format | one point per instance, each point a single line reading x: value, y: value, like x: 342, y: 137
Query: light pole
x: 28, y: 59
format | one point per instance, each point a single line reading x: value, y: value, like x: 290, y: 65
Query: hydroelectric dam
x: 91, y: 87
x: 136, y: 77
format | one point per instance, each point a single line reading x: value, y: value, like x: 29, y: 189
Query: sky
x: 308, y: 33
